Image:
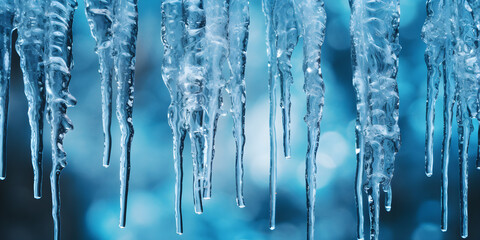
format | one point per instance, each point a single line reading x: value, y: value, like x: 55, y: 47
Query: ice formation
x: 451, y: 32
x: 196, y: 81
x: 114, y: 26
x: 375, y: 48
x: 284, y: 27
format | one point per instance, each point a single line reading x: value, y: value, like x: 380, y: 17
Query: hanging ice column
x: 114, y: 27
x: 59, y: 62
x: 7, y: 15
x: 375, y: 49
x: 196, y: 82
x: 451, y: 34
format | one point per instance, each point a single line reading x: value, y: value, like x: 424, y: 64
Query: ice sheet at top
x: 7, y: 15
x: 312, y: 18
x: 217, y: 46
x: 59, y: 62
x: 451, y: 32
x: 100, y: 19
x: 238, y: 26
x: 375, y: 49
x: 173, y: 28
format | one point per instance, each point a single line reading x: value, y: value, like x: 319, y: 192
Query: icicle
x: 7, y: 14
x: 59, y: 63
x: 268, y: 7
x: 217, y: 45
x: 375, y: 64
x: 173, y: 28
x: 239, y: 21
x: 100, y: 18
x: 193, y: 84
x: 30, y: 48
x: 125, y: 29
x: 313, y: 20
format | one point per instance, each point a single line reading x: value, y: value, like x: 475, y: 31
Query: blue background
x: 90, y: 193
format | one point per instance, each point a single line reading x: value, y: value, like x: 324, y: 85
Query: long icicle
x: 30, y: 48
x: 193, y: 84
x: 7, y: 15
x: 268, y: 7
x: 313, y: 20
x: 125, y: 28
x: 375, y: 65
x: 239, y: 21
x: 173, y: 28
x: 100, y: 19
x: 59, y: 63
x: 216, y: 42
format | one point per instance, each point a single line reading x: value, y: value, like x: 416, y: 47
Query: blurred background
x: 90, y: 193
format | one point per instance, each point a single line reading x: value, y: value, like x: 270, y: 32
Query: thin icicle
x: 313, y: 18
x: 286, y: 28
x: 7, y: 15
x: 217, y: 46
x: 59, y: 63
x: 239, y: 21
x: 173, y: 28
x: 193, y: 84
x: 375, y: 49
x: 268, y: 8
x: 100, y: 19
x: 125, y: 29
x: 30, y: 48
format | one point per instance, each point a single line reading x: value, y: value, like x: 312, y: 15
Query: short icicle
x: 375, y: 67
x: 239, y: 21
x: 173, y: 28
x: 100, y: 19
x: 217, y: 46
x: 30, y: 47
x: 59, y: 63
x: 268, y: 7
x: 7, y: 15
x: 193, y: 84
x: 125, y: 29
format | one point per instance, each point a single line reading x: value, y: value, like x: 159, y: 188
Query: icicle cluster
x: 114, y: 26
x: 284, y: 27
x: 375, y: 49
x: 196, y: 81
x: 45, y: 48
x: 451, y: 32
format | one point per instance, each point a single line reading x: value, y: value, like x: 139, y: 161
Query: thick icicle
x: 7, y: 15
x: 193, y: 84
x: 375, y: 49
x: 173, y: 28
x: 313, y: 18
x: 216, y: 44
x: 59, y: 63
x: 30, y: 48
x: 125, y: 29
x: 268, y: 10
x: 239, y: 21
x: 286, y: 29
x: 100, y: 19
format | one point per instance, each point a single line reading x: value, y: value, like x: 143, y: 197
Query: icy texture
x: 30, y: 47
x: 114, y: 27
x: 313, y: 19
x: 216, y: 41
x: 100, y: 18
x: 239, y: 21
x: 59, y: 63
x: 7, y: 15
x: 451, y: 34
x: 375, y: 49
x: 173, y: 28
